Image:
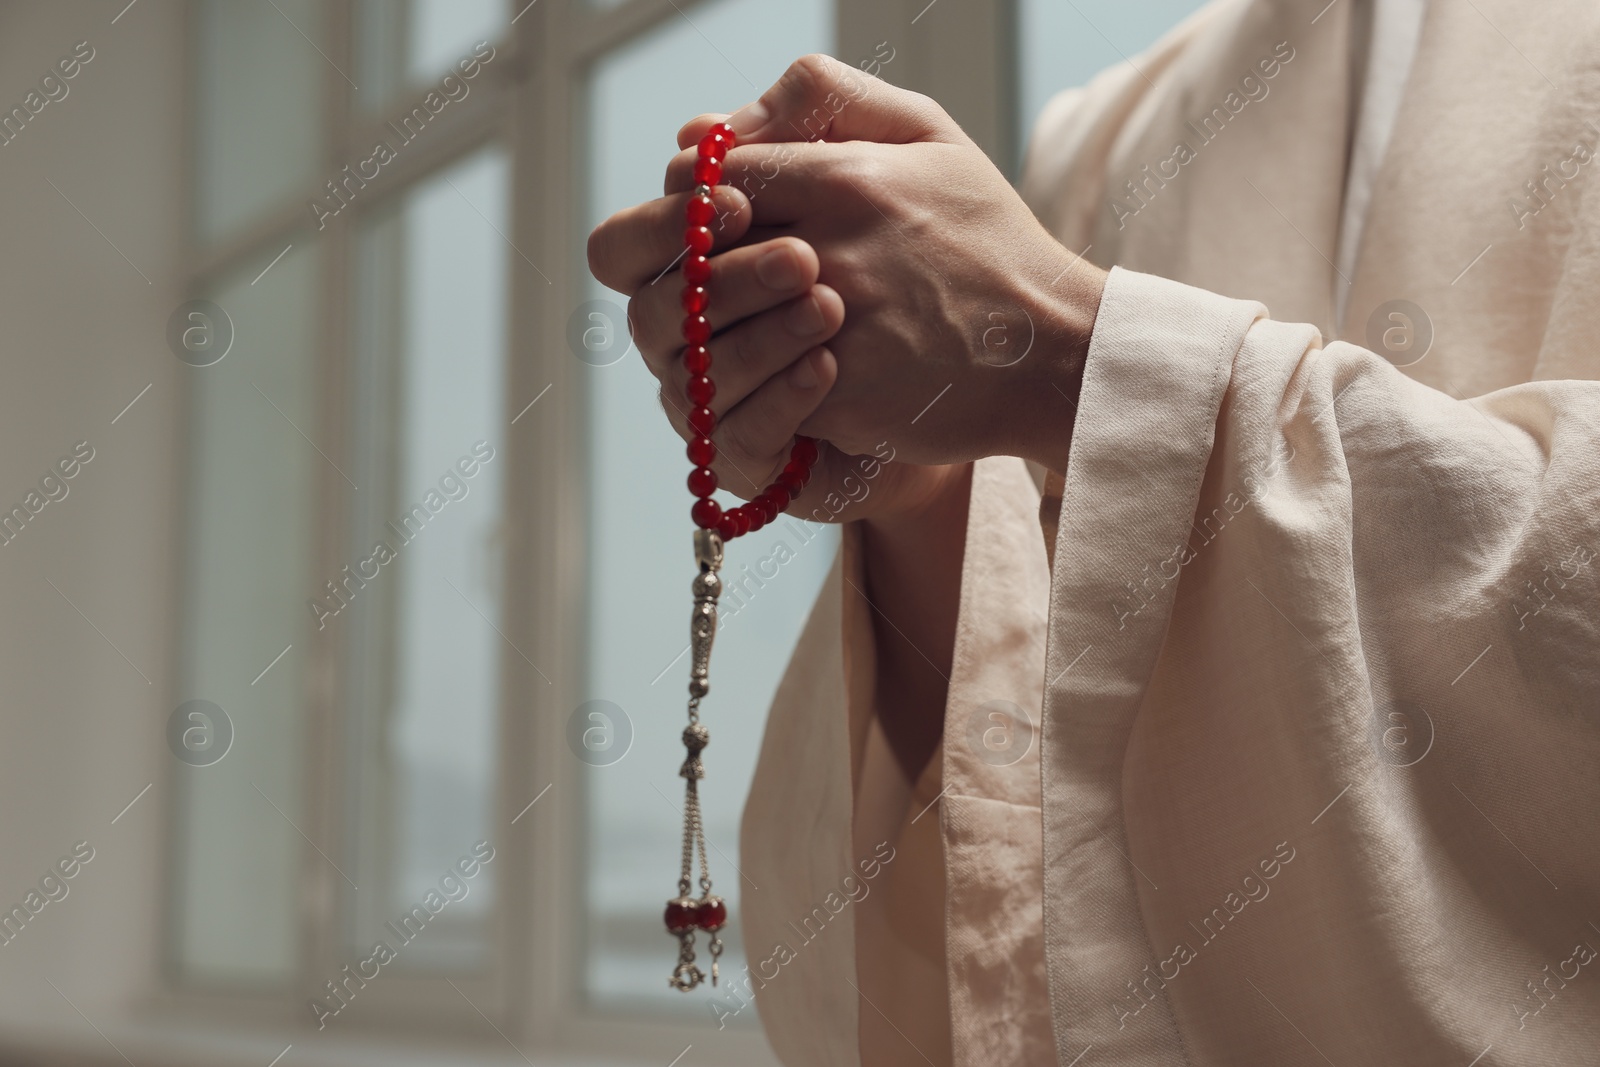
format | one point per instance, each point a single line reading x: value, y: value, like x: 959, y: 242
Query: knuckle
x: 742, y: 341
x: 922, y: 103
x: 846, y: 274
x: 640, y: 318
x: 814, y: 68
x: 739, y: 439
x: 632, y: 317
x: 598, y: 250
x: 853, y: 174
x: 657, y: 358
x: 675, y: 418
x: 679, y: 177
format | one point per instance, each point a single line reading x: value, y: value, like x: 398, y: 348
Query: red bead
x: 758, y: 518
x: 696, y: 329
x: 727, y: 526
x: 680, y: 917
x: 707, y: 171
x: 713, y: 146
x: 723, y: 130
x: 770, y: 505
x: 701, y: 211
x: 702, y: 481
x: 697, y: 359
x: 702, y: 451
x: 696, y: 298
x: 795, y: 477
x: 696, y: 269
x: 705, y: 513
x: 742, y: 514
x: 711, y: 913
x: 804, y: 451
x: 698, y: 238
x: 700, y: 390
x: 703, y: 421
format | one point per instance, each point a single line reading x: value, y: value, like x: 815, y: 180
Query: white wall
x: 81, y: 333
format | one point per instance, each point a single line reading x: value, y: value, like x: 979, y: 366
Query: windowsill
x: 192, y: 1045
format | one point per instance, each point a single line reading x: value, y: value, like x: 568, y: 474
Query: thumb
x: 821, y: 99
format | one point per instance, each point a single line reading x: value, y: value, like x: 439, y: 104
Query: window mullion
x: 324, y: 902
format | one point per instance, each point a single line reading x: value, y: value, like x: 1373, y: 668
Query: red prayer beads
x: 697, y: 238
x: 685, y: 914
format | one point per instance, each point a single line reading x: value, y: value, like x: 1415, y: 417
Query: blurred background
x: 367, y: 590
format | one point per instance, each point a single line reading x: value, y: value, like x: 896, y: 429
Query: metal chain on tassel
x: 686, y: 914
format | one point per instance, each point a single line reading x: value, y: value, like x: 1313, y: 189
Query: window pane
x: 442, y: 31
x: 426, y: 550
x: 251, y: 485
x: 413, y: 42
x: 1064, y: 45
x: 642, y: 558
x: 259, y: 109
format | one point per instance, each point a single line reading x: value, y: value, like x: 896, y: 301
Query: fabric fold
x: 795, y: 837
x: 990, y: 814
x: 1158, y: 364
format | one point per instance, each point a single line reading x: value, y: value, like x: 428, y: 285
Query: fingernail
x: 805, y: 317
x: 804, y: 373
x: 779, y: 269
x: 749, y: 119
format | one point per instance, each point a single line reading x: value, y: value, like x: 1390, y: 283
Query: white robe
x: 1312, y: 668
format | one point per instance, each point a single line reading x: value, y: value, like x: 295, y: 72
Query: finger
x: 639, y: 243
x: 691, y: 132
x: 754, y: 439
x: 744, y: 282
x: 821, y: 99
x: 747, y: 169
x: 745, y: 356
x: 784, y: 183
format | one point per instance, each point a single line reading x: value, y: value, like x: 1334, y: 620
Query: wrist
x: 935, y: 499
x: 1047, y: 397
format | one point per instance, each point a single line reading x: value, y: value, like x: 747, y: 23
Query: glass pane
x: 252, y: 482
x: 425, y: 551
x: 641, y: 554
x: 1064, y: 45
x: 411, y: 43
x: 259, y: 108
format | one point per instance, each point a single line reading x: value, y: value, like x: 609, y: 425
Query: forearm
x: 912, y: 566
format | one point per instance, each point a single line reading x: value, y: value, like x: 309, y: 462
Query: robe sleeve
x: 929, y: 879
x: 1303, y: 605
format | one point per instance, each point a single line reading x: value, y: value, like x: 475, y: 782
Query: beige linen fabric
x: 1316, y: 665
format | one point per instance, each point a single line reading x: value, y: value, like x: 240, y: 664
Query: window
x: 347, y: 525
x: 435, y: 556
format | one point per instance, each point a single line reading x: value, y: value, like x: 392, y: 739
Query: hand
x: 771, y: 321
x: 967, y: 322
